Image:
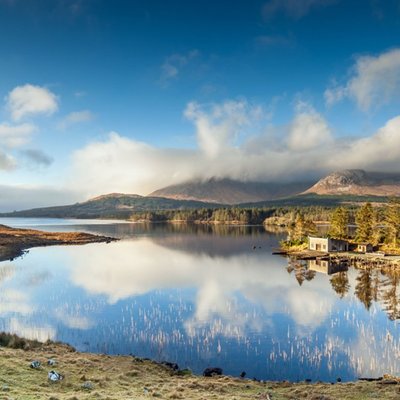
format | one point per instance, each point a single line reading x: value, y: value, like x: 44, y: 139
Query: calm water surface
x: 203, y: 296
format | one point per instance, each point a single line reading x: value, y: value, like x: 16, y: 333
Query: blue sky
x: 100, y: 96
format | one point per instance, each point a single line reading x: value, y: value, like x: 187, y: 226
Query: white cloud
x: 219, y: 128
x: 308, y: 131
x: 380, y: 151
x: 232, y: 144
x: 295, y: 9
x: 173, y: 64
x: 15, y: 135
x: 75, y: 118
x: 7, y: 162
x: 29, y: 100
x: 120, y: 164
x: 375, y: 81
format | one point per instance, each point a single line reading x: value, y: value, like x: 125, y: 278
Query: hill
x: 359, y: 183
x: 114, y: 205
x: 228, y: 191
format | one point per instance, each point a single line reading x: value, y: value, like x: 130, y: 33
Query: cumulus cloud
x: 120, y: 164
x: 75, y: 117
x: 15, y: 135
x: 295, y: 9
x: 374, y: 81
x: 308, y: 131
x: 173, y: 64
x: 28, y: 100
x: 232, y: 142
x: 380, y: 151
x: 220, y: 127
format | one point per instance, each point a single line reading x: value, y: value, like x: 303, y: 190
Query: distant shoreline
x: 15, y: 241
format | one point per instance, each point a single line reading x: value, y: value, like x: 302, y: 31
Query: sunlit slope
x: 114, y: 205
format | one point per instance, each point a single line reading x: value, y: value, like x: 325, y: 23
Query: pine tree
x: 392, y: 222
x: 301, y: 228
x: 339, y: 222
x: 365, y: 220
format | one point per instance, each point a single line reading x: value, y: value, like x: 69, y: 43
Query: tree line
x: 378, y: 226
x: 235, y: 215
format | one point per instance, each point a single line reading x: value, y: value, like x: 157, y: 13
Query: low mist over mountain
x: 358, y: 182
x: 229, y: 191
x: 114, y: 205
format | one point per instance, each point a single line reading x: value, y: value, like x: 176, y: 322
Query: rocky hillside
x: 358, y: 182
x: 229, y: 191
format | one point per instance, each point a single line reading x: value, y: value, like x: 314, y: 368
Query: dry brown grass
x: 13, y: 241
x: 125, y: 377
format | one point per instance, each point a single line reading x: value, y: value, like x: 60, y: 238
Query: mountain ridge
x: 357, y: 182
x: 112, y: 205
x: 231, y: 192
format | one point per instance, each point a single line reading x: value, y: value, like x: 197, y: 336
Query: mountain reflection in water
x: 205, y: 296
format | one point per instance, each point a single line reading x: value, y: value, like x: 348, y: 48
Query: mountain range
x: 228, y: 191
x: 214, y: 193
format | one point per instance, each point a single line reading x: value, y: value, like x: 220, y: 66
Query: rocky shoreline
x: 14, y: 242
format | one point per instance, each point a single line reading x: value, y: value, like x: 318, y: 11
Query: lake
x: 203, y: 296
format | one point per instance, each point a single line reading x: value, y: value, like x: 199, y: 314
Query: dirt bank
x: 14, y: 241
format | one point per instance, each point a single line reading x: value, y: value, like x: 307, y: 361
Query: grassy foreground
x: 94, y: 376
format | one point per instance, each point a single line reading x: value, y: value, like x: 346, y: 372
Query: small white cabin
x: 327, y: 244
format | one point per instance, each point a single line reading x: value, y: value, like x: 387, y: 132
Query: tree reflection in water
x: 340, y: 283
x: 301, y: 270
x: 371, y: 285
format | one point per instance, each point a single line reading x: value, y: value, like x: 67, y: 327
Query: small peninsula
x: 14, y: 241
